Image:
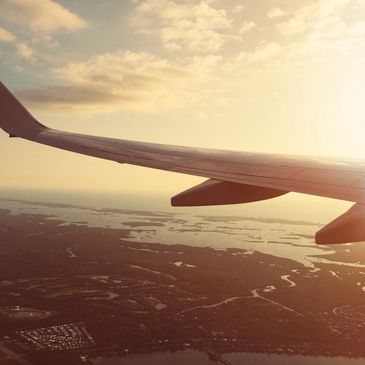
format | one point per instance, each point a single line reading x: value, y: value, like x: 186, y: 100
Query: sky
x: 276, y: 76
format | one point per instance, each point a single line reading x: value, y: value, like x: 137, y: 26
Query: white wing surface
x: 234, y: 177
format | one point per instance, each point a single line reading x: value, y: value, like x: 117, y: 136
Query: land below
x: 70, y: 293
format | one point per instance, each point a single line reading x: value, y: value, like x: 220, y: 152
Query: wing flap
x: 213, y: 192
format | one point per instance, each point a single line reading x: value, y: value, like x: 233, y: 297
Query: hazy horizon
x: 297, y: 207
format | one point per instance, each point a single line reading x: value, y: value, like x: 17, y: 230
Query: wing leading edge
x: 234, y: 177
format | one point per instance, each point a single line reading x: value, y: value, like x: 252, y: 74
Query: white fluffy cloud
x: 326, y: 27
x: 246, y: 27
x: 275, y: 13
x: 41, y: 16
x: 120, y: 80
x: 202, y: 34
x: 22, y: 49
x: 315, y: 16
x: 181, y: 25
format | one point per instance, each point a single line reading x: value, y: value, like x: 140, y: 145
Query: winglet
x: 15, y: 118
x: 349, y: 227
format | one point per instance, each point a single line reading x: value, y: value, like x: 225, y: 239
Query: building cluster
x: 70, y: 336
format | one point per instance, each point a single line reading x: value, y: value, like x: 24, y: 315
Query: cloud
x: 130, y: 81
x: 324, y: 28
x: 182, y: 25
x: 40, y: 16
x: 25, y: 52
x: 6, y: 36
x: 275, y: 13
x: 198, y: 73
x: 112, y: 81
x: 246, y: 27
x: 71, y: 96
x: 315, y: 16
x: 238, y: 8
x: 264, y: 52
x: 22, y: 49
x: 43, y: 17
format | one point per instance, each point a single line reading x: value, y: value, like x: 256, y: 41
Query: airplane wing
x: 233, y: 177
